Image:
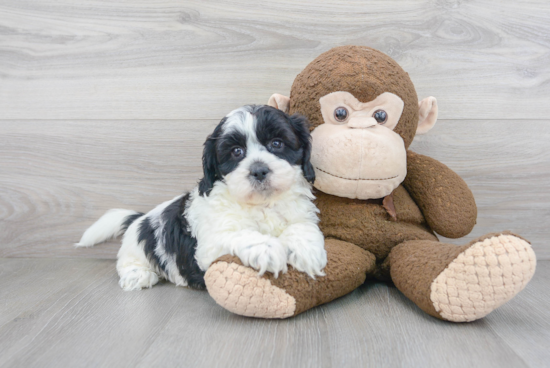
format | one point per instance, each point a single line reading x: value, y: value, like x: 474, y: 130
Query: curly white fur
x: 266, y: 237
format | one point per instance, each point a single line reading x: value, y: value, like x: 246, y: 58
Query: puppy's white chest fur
x: 268, y: 220
x: 218, y: 221
x: 221, y: 210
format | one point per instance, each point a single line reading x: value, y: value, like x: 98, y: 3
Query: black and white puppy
x: 254, y: 202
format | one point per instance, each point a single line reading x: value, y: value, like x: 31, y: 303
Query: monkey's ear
x: 209, y: 166
x: 427, y: 115
x: 301, y: 127
x: 279, y: 102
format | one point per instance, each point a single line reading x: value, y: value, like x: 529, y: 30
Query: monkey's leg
x: 240, y: 290
x: 462, y: 283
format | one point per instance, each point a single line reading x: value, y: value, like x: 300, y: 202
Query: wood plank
x: 85, y: 320
x: 29, y: 283
x: 507, y: 167
x: 67, y: 318
x: 375, y: 326
x: 171, y: 60
x: 58, y: 177
x: 525, y: 324
x: 402, y: 335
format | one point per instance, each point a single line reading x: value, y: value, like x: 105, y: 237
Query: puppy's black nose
x: 258, y: 171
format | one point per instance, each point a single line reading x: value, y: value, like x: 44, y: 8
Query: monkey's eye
x: 380, y: 116
x: 277, y: 144
x: 341, y: 114
x: 237, y: 152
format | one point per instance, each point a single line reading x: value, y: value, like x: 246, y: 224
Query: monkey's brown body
x: 364, y: 114
x: 369, y: 225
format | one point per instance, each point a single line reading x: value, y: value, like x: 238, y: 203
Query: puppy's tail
x: 111, y: 225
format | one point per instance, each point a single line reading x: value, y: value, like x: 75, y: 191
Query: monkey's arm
x: 443, y: 197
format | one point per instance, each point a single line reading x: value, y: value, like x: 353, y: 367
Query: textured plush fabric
x: 415, y: 264
x: 432, y: 199
x: 368, y: 224
x: 486, y: 275
x: 362, y: 71
x: 427, y: 115
x: 237, y: 291
x: 464, y: 283
x: 443, y: 197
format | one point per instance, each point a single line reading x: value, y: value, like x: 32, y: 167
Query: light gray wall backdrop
x: 106, y: 104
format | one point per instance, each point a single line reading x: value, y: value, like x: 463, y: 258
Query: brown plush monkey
x: 380, y: 204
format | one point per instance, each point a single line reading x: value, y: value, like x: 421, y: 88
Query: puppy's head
x: 259, y: 152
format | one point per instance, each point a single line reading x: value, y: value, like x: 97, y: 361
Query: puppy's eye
x: 380, y: 116
x: 277, y: 144
x: 237, y: 152
x: 341, y: 114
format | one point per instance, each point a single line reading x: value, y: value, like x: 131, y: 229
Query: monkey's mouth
x: 355, y: 179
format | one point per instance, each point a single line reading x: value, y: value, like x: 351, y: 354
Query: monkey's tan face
x: 356, y: 153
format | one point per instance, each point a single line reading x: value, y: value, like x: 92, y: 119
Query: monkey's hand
x: 443, y: 197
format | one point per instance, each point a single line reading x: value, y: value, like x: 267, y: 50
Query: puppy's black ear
x: 301, y: 127
x: 209, y: 165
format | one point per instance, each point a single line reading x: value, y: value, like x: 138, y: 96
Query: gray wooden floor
x: 106, y: 104
x: 67, y: 313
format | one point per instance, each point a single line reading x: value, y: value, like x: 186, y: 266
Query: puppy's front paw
x: 268, y: 256
x: 308, y: 258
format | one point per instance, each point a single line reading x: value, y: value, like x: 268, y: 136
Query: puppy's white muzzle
x: 259, y: 177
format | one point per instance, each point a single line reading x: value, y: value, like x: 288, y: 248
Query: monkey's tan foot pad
x: 483, y: 277
x: 240, y: 290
